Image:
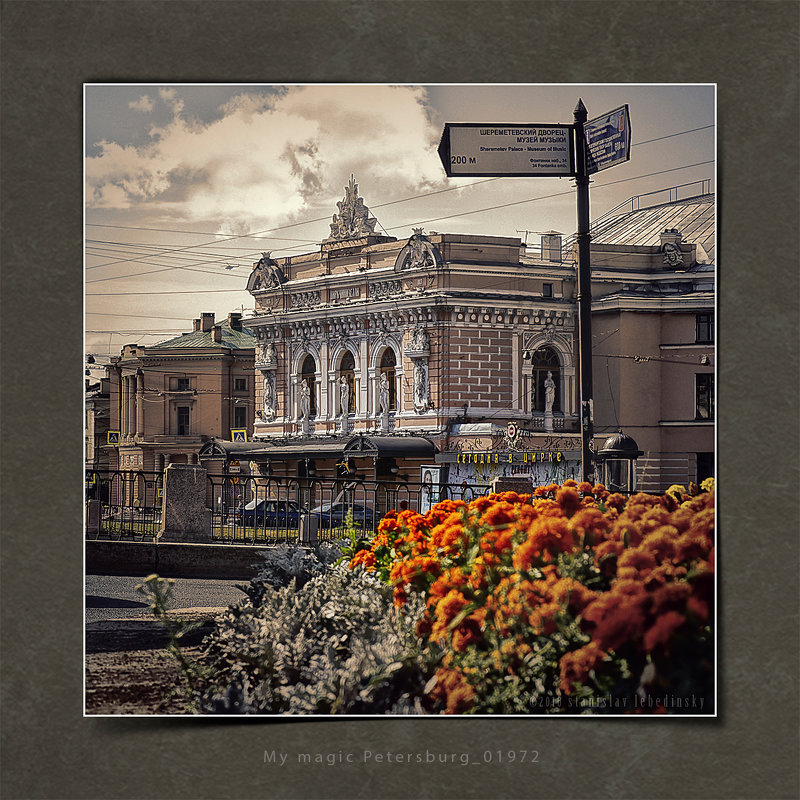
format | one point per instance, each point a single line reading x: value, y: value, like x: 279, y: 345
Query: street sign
x: 234, y: 467
x: 113, y: 437
x: 608, y: 140
x: 239, y: 435
x: 488, y: 150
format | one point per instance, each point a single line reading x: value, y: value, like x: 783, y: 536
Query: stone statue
x: 305, y: 401
x: 549, y: 393
x: 269, y: 396
x: 266, y: 274
x: 344, y: 396
x: 419, y: 340
x: 353, y: 220
x: 383, y: 394
x: 420, y: 385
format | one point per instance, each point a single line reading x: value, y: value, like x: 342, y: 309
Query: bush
x: 336, y: 645
x: 569, y: 600
x: 286, y: 563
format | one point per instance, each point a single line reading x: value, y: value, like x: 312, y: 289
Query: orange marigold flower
x: 481, y: 504
x: 576, y: 666
x: 543, y: 618
x: 691, y: 546
x: 589, y: 523
x: 663, y: 629
x: 365, y: 558
x: 499, y: 514
x: 671, y: 596
x: 661, y: 542
x: 633, y: 562
x: 449, y: 607
x: 468, y: 632
x: 569, y: 499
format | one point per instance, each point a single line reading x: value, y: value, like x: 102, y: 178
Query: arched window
x: 347, y: 368
x: 388, y: 368
x: 545, y: 360
x: 308, y: 374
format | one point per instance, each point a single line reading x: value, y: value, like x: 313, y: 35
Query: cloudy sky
x: 187, y: 184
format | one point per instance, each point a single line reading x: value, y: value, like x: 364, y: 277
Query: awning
x: 358, y: 446
x: 389, y: 446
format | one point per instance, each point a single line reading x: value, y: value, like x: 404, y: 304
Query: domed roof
x: 620, y: 445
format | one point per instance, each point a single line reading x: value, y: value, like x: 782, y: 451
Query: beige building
x: 455, y: 354
x: 168, y: 399
x: 653, y: 290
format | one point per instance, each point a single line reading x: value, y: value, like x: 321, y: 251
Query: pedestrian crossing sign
x: 239, y: 435
x: 113, y: 437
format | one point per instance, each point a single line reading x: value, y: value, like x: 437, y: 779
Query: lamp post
x: 584, y: 295
x: 617, y: 463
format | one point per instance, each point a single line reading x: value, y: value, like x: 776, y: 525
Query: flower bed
x: 572, y: 599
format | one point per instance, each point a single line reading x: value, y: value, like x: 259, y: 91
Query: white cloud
x: 274, y: 160
x: 144, y: 103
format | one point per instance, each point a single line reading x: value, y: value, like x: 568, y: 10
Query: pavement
x: 114, y: 597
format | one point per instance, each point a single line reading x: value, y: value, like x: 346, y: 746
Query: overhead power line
x: 381, y: 205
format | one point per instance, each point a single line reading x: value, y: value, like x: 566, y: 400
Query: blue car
x: 271, y: 514
x: 333, y: 515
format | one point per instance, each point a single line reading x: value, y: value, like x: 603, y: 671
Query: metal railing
x: 123, y: 504
x: 274, y: 510
x: 127, y: 505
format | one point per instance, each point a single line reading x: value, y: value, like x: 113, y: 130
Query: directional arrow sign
x: 489, y: 150
x: 608, y: 140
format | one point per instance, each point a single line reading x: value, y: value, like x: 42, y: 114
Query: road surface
x: 115, y: 597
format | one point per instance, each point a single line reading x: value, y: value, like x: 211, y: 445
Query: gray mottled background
x: 50, y: 48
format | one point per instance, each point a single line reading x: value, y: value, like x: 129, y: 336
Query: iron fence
x: 127, y: 505
x: 123, y: 504
x: 278, y: 510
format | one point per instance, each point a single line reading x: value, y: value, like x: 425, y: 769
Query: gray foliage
x: 335, y: 645
x: 286, y: 563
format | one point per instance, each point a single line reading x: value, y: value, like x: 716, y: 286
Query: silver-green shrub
x: 286, y: 563
x: 335, y: 645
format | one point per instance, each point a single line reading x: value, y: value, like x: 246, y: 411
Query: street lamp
x: 617, y: 463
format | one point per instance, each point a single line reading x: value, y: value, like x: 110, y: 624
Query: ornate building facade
x: 445, y: 350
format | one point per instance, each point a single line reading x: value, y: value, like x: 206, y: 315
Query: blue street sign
x: 608, y: 140
x: 239, y: 434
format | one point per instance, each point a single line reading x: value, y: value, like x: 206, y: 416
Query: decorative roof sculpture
x: 353, y: 220
x: 266, y: 274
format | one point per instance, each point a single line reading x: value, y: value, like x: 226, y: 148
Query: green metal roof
x: 235, y: 339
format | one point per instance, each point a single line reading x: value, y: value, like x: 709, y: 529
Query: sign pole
x: 584, y: 295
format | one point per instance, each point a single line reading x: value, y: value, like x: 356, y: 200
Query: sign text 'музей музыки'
x: 477, y: 150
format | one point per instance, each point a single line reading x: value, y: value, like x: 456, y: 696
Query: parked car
x: 271, y: 513
x: 333, y: 515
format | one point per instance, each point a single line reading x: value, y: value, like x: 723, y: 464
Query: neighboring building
x: 97, y: 407
x: 455, y: 354
x: 168, y: 399
x: 653, y: 289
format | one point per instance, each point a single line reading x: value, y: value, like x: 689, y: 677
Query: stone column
x: 184, y: 516
x: 140, y: 405
x: 131, y: 405
x: 123, y: 415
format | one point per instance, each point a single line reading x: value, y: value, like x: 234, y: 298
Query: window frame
x: 180, y: 429
x: 704, y: 321
x: 704, y: 396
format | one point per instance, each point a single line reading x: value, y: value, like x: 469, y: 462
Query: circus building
x: 443, y: 357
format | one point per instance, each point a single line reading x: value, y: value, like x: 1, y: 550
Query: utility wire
x: 403, y: 200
